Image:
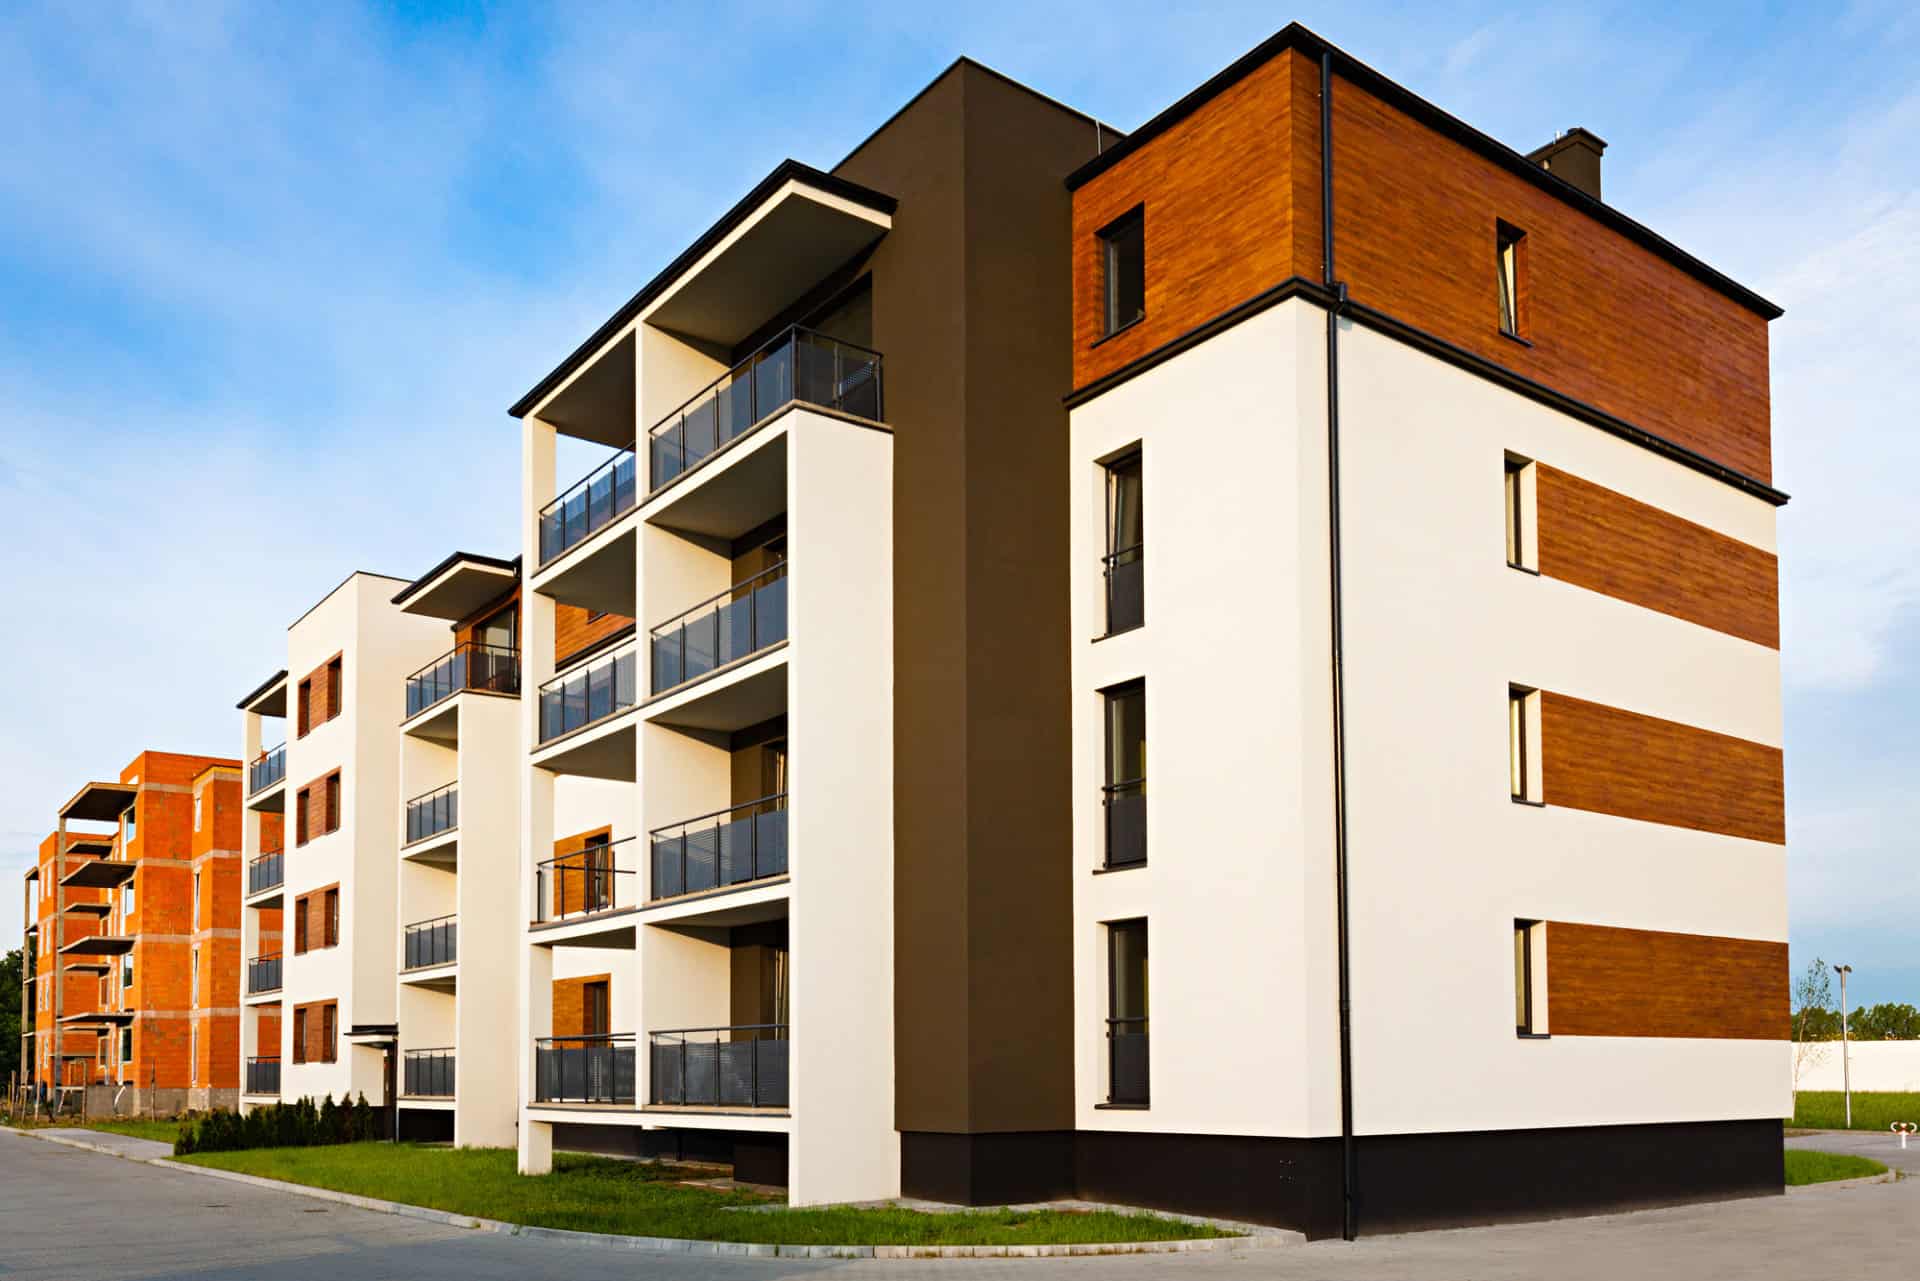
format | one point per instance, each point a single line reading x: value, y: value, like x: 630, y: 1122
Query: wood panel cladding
x: 574, y: 630
x: 318, y: 697
x: 570, y: 1003
x: 1606, y: 321
x: 1606, y: 981
x: 1230, y: 210
x: 1609, y: 761
x: 1604, y: 541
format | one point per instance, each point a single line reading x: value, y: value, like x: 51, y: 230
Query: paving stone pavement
x: 72, y: 1215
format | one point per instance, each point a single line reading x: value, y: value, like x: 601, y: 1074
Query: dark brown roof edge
x: 783, y: 172
x: 261, y: 688
x: 1295, y: 36
x: 491, y: 562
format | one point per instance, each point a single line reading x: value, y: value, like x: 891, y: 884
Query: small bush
x: 298, y: 1124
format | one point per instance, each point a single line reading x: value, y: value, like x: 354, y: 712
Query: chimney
x: 1573, y: 157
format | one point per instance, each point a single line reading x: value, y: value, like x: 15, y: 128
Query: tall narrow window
x: 334, y: 670
x: 300, y: 1035
x: 196, y: 900
x: 332, y: 823
x: 303, y: 708
x: 126, y: 1048
x: 1127, y: 1012
x: 194, y: 961
x: 329, y: 1032
x: 1528, y: 951
x: 595, y: 1009
x: 332, y: 918
x: 1125, y: 791
x: 129, y: 828
x: 1123, y: 255
x: 299, y: 925
x: 1126, y: 539
x: 1523, y: 550
x: 1523, y: 733
x: 196, y: 811
x: 1511, y: 244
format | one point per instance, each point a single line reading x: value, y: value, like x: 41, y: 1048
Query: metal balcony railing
x: 1126, y: 588
x: 1126, y: 806
x: 432, y: 813
x: 492, y: 668
x: 584, y: 1069
x: 799, y: 365
x: 732, y: 1067
x: 589, y: 693
x: 745, y: 619
x: 267, y: 872
x: 267, y: 769
x: 435, y: 942
x: 608, y: 492
x: 742, y: 843
x: 1127, y: 1060
x: 584, y: 882
x: 263, y: 973
x: 263, y: 1074
x: 427, y: 1073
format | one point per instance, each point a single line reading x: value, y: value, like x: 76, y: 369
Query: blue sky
x: 269, y: 280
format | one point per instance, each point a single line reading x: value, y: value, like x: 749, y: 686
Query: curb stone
x: 1835, y: 1184
x: 731, y: 1249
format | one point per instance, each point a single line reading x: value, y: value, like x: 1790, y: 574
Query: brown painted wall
x: 983, y: 998
x: 1606, y: 542
x: 1603, y: 981
x: 1611, y: 761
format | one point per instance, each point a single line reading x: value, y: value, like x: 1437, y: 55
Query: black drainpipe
x: 1348, y: 1171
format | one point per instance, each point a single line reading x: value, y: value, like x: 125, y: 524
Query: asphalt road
x: 71, y: 1215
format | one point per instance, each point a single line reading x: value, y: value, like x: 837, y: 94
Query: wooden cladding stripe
x: 1605, y: 981
x: 575, y: 629
x: 577, y: 878
x: 1609, y: 761
x: 570, y: 1003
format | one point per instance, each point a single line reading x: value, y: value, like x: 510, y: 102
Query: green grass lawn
x: 1824, y: 1167
x: 1826, y: 1110
x: 597, y: 1194
x: 159, y: 1131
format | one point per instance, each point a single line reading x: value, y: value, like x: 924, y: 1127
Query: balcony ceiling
x: 98, y: 945
x: 269, y: 698
x: 89, y: 845
x: 458, y: 586
x: 98, y: 874
x: 99, y: 802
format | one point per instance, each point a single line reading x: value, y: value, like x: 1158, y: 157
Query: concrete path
x: 67, y: 1213
x: 1884, y: 1148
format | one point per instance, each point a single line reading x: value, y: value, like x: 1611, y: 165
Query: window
x: 126, y: 978
x: 1123, y: 257
x: 196, y: 900
x: 196, y: 811
x: 1523, y: 737
x: 319, y: 696
x: 329, y: 1031
x: 1126, y: 536
x: 126, y: 1047
x: 304, y: 708
x: 332, y: 815
x: 316, y: 810
x: 331, y: 907
x: 1521, y: 524
x: 1127, y: 1013
x: 1529, y: 969
x: 193, y: 1054
x: 126, y: 896
x: 1125, y: 792
x: 1511, y: 244
x: 595, y: 1009
x: 299, y: 1034
x: 195, y: 961
x: 299, y: 925
x: 128, y: 830
x: 335, y: 669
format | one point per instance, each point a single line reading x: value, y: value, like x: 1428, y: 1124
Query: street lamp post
x: 1846, y: 1067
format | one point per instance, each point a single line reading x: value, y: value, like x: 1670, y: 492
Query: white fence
x: 1876, y: 1065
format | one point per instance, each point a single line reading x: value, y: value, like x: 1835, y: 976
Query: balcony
x: 720, y: 1067
x: 263, y: 1074
x: 431, y: 943
x: 1126, y: 822
x: 263, y: 974
x: 267, y: 872
x: 488, y: 668
x: 743, y: 620
x: 1126, y: 588
x: 588, y: 695
x: 584, y: 883
x: 746, y: 842
x: 798, y: 366
x: 266, y: 769
x: 427, y: 1074
x: 608, y: 493
x: 584, y: 1069
x: 1127, y: 1061
x: 432, y: 813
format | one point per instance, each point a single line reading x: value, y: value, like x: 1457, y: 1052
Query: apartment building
x: 1457, y: 476
x: 136, y: 943
x: 321, y: 842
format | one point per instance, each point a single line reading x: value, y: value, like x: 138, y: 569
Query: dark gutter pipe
x: 1348, y: 1166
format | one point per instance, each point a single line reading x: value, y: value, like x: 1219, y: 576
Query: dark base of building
x: 424, y: 1125
x: 755, y: 1158
x: 1405, y: 1182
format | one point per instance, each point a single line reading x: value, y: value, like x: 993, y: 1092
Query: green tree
x: 1814, y: 1022
x: 11, y: 967
x: 1887, y: 1021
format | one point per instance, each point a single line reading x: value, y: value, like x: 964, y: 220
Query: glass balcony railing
x: 267, y: 872
x: 746, y: 842
x: 588, y: 693
x: 470, y: 666
x: 585, y: 882
x: 263, y: 973
x: 608, y: 492
x: 743, y: 620
x: 799, y: 365
x: 433, y: 813
x: 267, y: 769
x: 263, y: 1074
x: 435, y: 942
x: 427, y: 1073
x: 728, y: 1067
x: 584, y: 1069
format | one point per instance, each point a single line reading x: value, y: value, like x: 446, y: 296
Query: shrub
x: 298, y: 1124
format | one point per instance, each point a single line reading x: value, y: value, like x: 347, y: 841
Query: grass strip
x: 1804, y: 1167
x: 1826, y: 1109
x: 599, y: 1194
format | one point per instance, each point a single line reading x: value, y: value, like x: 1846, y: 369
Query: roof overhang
x: 90, y: 845
x: 372, y: 1032
x: 791, y: 231
x: 269, y: 698
x: 99, y: 945
x: 458, y: 586
x: 100, y: 802
x: 98, y: 874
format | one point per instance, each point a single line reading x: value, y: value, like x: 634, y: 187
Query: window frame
x: 1530, y: 979
x: 1510, y: 274
x: 1112, y: 470
x: 1524, y: 756
x: 1520, y: 517
x: 1115, y: 931
x: 1111, y: 786
x: 1109, y: 239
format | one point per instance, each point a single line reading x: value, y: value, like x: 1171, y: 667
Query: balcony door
x: 596, y: 1017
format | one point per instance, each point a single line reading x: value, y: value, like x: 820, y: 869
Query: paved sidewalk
x: 1881, y: 1147
x: 66, y: 1213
